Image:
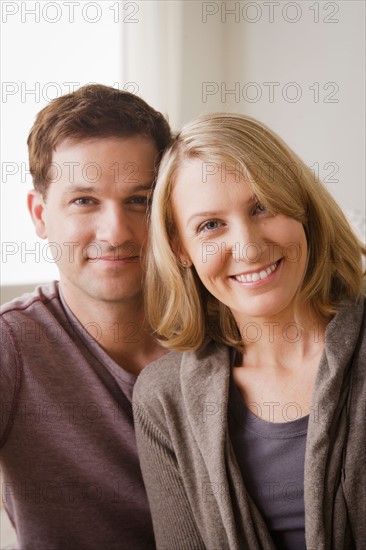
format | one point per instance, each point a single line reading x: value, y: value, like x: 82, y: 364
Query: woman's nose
x: 246, y: 243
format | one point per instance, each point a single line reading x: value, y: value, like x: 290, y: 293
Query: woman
x: 253, y: 437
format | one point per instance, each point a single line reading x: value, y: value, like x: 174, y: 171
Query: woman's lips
x: 261, y: 274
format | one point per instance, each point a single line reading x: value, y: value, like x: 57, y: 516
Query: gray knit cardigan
x: 195, y: 489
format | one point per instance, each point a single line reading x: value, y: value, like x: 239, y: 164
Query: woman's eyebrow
x: 250, y: 200
x: 203, y: 214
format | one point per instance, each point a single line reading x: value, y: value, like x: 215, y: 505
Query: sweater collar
x: 205, y: 379
x: 205, y: 396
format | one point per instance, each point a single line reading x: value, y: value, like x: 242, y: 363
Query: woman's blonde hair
x: 180, y: 309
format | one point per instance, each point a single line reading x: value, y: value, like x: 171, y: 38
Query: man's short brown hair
x: 93, y: 111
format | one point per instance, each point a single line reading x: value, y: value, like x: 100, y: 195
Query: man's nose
x: 114, y: 226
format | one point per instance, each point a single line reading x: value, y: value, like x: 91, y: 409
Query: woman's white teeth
x: 253, y: 277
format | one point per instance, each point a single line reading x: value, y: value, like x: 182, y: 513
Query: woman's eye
x: 210, y: 225
x: 260, y: 208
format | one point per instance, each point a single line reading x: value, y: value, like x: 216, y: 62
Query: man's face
x: 94, y: 212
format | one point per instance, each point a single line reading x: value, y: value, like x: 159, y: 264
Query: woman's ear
x: 36, y: 207
x: 180, y: 252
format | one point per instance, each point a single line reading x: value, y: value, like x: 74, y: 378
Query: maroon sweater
x: 67, y: 446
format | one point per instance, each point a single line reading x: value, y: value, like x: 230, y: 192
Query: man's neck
x: 120, y: 328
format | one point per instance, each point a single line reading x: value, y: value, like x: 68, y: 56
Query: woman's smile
x: 259, y: 276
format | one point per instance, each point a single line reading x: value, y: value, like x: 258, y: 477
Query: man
x: 72, y: 350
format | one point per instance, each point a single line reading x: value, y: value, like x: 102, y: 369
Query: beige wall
x: 320, y: 62
x: 8, y: 292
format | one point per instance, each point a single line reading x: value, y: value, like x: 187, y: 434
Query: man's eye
x: 140, y: 200
x: 208, y: 226
x: 83, y: 201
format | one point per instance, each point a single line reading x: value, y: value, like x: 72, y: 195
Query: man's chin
x: 118, y: 295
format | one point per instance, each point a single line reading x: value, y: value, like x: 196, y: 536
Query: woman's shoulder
x: 166, y: 375
x: 349, y: 321
x: 158, y: 373
x: 174, y: 388
x: 157, y: 390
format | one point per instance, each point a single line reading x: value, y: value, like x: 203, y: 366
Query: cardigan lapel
x: 328, y: 429
x: 205, y: 381
x: 205, y: 377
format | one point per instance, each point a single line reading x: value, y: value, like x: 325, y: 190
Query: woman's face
x: 248, y: 258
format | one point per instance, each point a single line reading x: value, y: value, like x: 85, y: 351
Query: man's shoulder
x: 32, y: 313
x: 29, y: 303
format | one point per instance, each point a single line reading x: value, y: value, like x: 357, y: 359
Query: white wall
x: 42, y: 59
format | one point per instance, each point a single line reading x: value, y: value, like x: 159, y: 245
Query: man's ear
x: 36, y: 206
x: 180, y: 252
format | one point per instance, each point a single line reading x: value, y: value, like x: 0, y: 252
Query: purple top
x: 271, y: 459
x: 68, y: 452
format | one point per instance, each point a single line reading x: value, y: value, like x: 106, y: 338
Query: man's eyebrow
x: 74, y: 188
x: 142, y: 187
